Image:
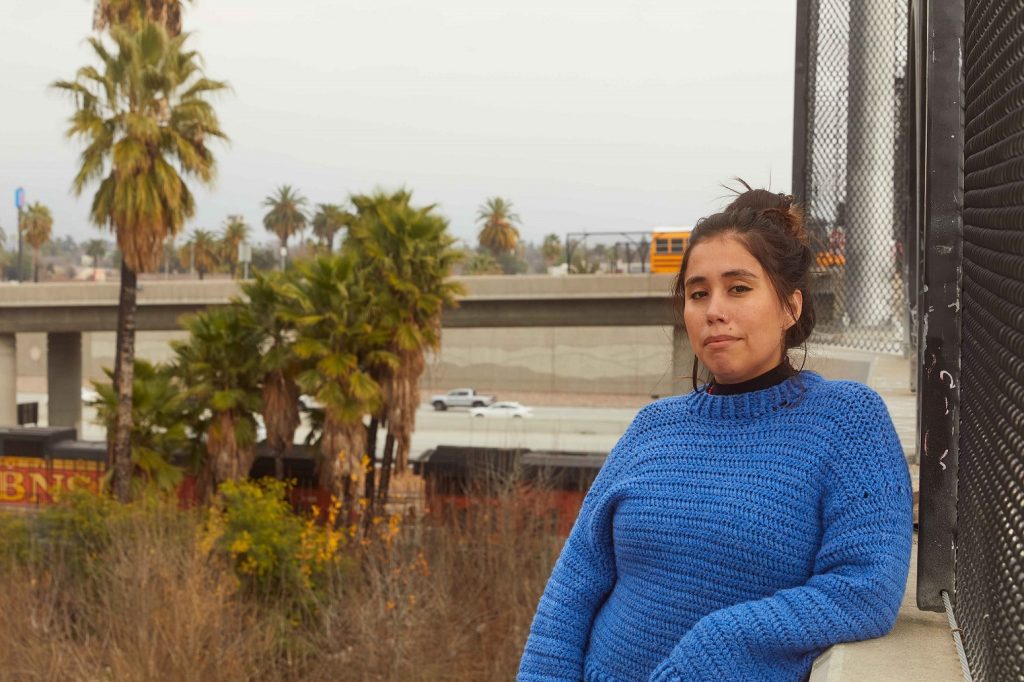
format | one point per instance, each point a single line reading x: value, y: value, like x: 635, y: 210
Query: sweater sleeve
x: 582, y: 578
x: 859, y: 574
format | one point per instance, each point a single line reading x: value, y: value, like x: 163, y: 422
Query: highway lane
x: 594, y: 429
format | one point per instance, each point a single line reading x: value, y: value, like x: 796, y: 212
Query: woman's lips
x: 718, y: 341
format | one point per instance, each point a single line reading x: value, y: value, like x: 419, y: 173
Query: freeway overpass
x: 65, y: 310
x: 491, y: 301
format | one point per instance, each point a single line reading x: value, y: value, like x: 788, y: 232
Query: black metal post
x: 800, y: 104
x: 913, y: 255
x: 939, y: 394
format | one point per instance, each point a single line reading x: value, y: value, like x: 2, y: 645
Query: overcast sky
x: 586, y: 114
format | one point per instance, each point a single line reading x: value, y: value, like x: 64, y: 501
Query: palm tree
x: 407, y: 255
x: 498, y: 234
x: 482, y: 264
x: 286, y: 216
x: 5, y: 257
x: 220, y: 367
x: 202, y: 251
x: 340, y: 339
x: 265, y: 313
x: 235, y: 232
x: 109, y: 13
x: 144, y: 117
x: 158, y: 425
x: 37, y: 225
x: 96, y: 249
x: 552, y: 250
x: 329, y: 219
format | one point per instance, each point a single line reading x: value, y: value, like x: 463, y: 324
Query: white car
x: 506, y: 408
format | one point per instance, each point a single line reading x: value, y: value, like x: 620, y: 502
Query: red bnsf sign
x: 26, y: 481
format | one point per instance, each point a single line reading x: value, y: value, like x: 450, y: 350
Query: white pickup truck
x: 460, y: 397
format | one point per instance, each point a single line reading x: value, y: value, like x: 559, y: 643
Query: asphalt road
x: 593, y: 429
x: 557, y: 428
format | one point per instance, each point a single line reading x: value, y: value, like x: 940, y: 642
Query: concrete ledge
x: 919, y: 648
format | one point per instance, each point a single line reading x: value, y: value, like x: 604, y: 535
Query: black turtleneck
x: 772, y: 377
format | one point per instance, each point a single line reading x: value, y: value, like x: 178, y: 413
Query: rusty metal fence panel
x: 850, y: 164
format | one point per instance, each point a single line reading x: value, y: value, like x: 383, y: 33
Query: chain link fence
x: 850, y: 167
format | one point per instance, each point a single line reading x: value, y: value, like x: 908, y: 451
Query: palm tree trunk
x: 35, y: 265
x: 370, y: 483
x: 122, y: 450
x: 385, y: 470
x: 117, y: 385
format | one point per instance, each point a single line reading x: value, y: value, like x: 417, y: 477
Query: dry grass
x: 149, y: 607
x: 435, y: 602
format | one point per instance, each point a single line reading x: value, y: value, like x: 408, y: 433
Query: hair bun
x: 779, y: 207
x: 792, y: 219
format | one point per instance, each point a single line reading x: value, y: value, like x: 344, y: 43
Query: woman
x: 737, y: 531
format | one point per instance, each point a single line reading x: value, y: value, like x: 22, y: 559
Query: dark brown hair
x: 771, y: 227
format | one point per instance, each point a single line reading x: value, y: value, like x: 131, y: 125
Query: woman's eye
x: 695, y: 295
x: 741, y: 288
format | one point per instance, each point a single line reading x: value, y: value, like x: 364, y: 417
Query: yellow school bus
x: 667, y: 248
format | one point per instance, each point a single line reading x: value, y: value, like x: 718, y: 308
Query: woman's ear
x: 795, y: 307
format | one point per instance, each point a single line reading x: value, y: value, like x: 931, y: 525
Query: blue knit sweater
x: 732, y: 538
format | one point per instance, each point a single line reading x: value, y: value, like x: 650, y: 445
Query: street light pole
x: 20, y: 277
x: 19, y: 202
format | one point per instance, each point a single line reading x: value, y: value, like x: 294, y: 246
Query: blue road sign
x: 19, y: 198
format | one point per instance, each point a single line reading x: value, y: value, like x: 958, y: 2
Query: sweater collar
x: 776, y: 375
x: 754, y: 403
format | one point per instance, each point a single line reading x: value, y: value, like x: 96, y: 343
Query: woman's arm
x: 581, y: 580
x: 859, y: 574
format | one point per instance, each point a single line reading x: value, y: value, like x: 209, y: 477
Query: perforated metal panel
x: 990, y: 508
x: 850, y: 164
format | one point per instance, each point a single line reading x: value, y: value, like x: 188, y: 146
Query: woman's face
x: 732, y: 314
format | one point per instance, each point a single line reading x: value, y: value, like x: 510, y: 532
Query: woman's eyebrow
x: 701, y: 279
x: 739, y: 273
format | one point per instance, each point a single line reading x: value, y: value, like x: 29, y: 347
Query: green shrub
x: 15, y: 538
x: 274, y: 552
x: 77, y: 529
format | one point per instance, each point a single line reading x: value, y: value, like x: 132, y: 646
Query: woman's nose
x: 715, y: 310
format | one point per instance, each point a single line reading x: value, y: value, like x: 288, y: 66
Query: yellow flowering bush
x: 273, y: 550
